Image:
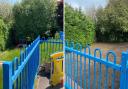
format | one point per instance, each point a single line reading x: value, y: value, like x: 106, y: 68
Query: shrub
x: 3, y: 35
x: 78, y: 27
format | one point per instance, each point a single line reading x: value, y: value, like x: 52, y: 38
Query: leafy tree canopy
x: 34, y: 17
x: 112, y: 22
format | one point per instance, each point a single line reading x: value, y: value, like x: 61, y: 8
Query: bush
x: 3, y: 35
x: 78, y: 27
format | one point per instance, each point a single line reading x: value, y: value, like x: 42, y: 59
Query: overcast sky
x: 85, y: 4
x: 10, y: 1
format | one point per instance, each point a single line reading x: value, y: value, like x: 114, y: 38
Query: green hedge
x: 78, y: 27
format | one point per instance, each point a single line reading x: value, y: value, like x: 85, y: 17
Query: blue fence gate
x: 84, y: 70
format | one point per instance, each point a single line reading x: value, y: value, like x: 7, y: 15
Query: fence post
x: 7, y: 73
x: 124, y: 71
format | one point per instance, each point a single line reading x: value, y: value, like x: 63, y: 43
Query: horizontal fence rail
x: 21, y: 72
x: 85, y: 69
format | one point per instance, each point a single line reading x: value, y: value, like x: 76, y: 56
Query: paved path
x: 43, y: 81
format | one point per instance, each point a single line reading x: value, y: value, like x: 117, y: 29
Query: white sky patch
x: 85, y: 4
x: 11, y: 1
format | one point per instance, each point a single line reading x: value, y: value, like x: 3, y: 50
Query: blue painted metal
x: 20, y: 74
x: 124, y: 71
x: 61, y: 35
x: 84, y: 59
x: 23, y: 69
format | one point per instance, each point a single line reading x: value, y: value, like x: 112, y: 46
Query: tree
x: 6, y: 11
x: 6, y: 21
x: 78, y: 27
x: 112, y: 22
x: 33, y: 18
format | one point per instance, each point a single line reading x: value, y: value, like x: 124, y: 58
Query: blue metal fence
x: 84, y: 70
x: 20, y: 73
x: 50, y: 46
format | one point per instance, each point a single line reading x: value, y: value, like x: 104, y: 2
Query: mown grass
x: 7, y: 55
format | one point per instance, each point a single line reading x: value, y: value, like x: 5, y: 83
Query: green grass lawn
x: 7, y: 55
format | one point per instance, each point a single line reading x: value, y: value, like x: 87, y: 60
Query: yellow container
x: 57, y: 69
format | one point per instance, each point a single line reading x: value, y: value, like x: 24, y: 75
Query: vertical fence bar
x: 71, y: 69
x: 85, y: 70
x: 106, y: 76
x: 17, y: 82
x: 77, y: 61
x: 89, y: 72
x: 68, y: 68
x: 7, y: 73
x: 94, y: 81
x: 113, y: 76
x: 21, y: 57
x: 41, y: 52
x: 81, y: 68
x: 75, y: 71
x: 124, y: 73
x: 13, y: 70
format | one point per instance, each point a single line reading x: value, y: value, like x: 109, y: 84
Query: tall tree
x: 34, y: 17
x: 6, y: 11
x: 112, y: 22
x: 78, y: 27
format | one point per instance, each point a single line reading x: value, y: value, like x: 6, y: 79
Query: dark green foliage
x: 4, y: 32
x: 112, y: 22
x: 78, y: 27
x: 34, y: 17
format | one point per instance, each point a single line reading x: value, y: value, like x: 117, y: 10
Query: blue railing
x: 84, y: 70
x: 48, y: 47
x: 20, y: 73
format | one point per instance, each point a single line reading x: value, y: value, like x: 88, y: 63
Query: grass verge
x: 7, y: 55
